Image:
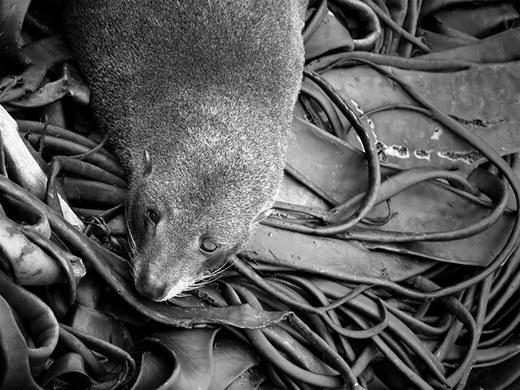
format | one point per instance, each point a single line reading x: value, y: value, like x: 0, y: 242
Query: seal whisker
x: 132, y: 246
x: 182, y: 294
x: 210, y: 277
x: 215, y: 274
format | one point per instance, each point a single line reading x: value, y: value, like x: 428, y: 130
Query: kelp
x: 390, y: 259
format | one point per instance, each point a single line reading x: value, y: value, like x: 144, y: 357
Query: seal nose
x: 151, y: 287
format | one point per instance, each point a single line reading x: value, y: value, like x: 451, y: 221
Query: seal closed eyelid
x: 153, y: 215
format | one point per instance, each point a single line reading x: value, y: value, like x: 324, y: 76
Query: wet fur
x: 208, y: 88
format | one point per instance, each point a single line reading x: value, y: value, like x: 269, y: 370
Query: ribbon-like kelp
x: 389, y: 261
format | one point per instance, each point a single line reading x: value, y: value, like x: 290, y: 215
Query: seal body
x: 197, y: 99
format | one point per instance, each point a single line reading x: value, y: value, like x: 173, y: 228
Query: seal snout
x: 151, y: 287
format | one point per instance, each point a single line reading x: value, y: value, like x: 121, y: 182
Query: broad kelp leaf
x: 154, y: 372
x: 328, y: 256
x: 426, y: 207
x: 480, y: 98
x: 192, y: 351
x: 15, y: 372
x: 232, y: 358
x: 332, y: 165
x: 477, y: 21
x: 501, y: 47
x: 193, y: 359
x: 29, y: 264
x: 330, y: 35
x: 95, y: 323
x: 38, y: 321
x: 430, y: 207
x: 68, y: 368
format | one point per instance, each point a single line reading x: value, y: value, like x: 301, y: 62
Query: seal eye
x: 208, y: 246
x: 154, y: 216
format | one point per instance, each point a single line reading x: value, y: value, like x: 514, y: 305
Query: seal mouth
x: 181, y: 288
x: 160, y: 288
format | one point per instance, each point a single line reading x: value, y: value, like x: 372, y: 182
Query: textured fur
x: 207, y: 87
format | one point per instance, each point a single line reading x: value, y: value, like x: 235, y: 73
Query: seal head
x: 197, y: 99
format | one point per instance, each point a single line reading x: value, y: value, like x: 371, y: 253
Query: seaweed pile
x: 390, y: 261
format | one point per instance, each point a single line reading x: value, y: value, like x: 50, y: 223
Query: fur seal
x: 197, y: 99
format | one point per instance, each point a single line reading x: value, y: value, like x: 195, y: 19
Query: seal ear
x: 147, y: 164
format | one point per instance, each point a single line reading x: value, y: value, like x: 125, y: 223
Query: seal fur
x: 206, y: 88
